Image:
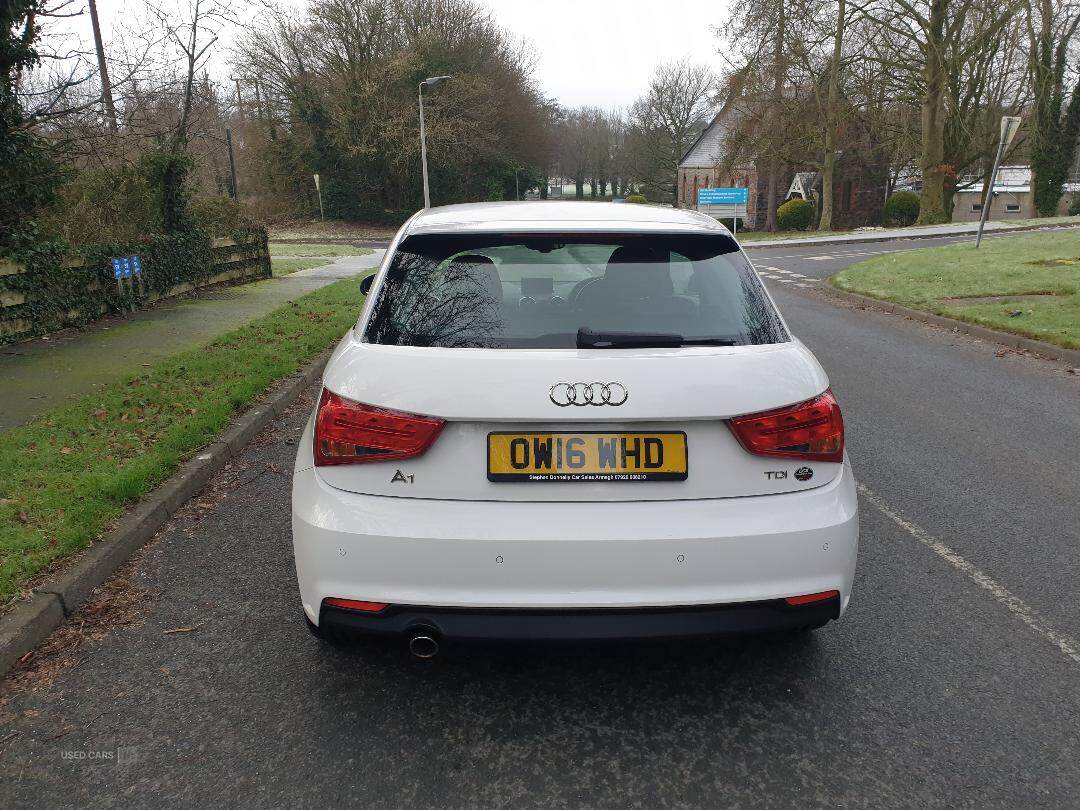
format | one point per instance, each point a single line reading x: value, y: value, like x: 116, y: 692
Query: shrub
x: 901, y: 209
x: 1074, y: 206
x: 795, y: 215
x: 109, y: 204
x: 636, y: 198
x: 221, y: 216
x: 729, y: 224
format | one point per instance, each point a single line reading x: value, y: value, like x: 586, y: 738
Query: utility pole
x: 103, y: 69
x: 232, y: 164
x: 239, y: 100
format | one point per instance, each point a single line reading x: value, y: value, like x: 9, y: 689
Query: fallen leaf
x: 67, y: 451
x: 23, y: 517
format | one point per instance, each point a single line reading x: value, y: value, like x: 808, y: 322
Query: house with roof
x: 859, y: 183
x: 1011, y: 199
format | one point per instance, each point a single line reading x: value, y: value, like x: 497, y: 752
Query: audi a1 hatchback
x: 571, y: 421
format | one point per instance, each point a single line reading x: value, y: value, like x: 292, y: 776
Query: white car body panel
x: 730, y: 533
x: 578, y: 555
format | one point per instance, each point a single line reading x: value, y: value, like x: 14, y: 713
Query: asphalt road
x: 953, y: 680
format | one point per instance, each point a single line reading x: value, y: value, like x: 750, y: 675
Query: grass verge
x: 1027, y: 285
x: 283, y: 267
x: 316, y: 249
x: 71, y: 471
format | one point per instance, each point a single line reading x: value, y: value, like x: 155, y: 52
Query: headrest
x: 480, y: 270
x: 638, y: 271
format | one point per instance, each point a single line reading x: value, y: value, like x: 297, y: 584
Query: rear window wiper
x: 590, y: 339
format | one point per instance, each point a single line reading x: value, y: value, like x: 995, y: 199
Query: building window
x: 976, y: 208
x: 1012, y: 208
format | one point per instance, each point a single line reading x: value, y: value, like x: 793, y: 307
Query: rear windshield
x: 537, y: 291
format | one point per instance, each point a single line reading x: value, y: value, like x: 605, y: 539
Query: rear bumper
x: 582, y: 556
x: 472, y: 625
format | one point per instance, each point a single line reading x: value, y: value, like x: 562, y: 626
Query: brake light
x: 348, y: 432
x: 812, y: 430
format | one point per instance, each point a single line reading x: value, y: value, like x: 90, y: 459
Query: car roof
x: 549, y: 216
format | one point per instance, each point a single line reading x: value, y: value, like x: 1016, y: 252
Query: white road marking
x: 797, y: 275
x: 826, y: 258
x: 789, y: 281
x: 800, y: 284
x: 1012, y: 603
x: 782, y: 270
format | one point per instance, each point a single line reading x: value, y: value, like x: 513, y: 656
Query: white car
x: 571, y: 420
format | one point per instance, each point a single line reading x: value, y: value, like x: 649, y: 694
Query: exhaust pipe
x: 423, y: 643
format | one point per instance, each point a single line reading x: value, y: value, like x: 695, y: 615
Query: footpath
x: 41, y: 374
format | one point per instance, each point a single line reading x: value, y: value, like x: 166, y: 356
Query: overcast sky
x: 601, y: 52
x: 596, y: 52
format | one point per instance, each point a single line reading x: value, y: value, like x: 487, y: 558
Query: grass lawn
x: 282, y: 267
x: 1028, y: 285
x: 315, y: 249
x: 71, y: 471
x: 315, y: 230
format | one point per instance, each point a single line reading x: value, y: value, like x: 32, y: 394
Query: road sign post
x: 1009, y: 125
x: 723, y: 203
x: 318, y: 190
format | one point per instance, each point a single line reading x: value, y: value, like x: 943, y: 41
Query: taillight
x: 348, y: 432
x: 812, y: 430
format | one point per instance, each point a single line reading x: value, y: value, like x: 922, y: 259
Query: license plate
x: 587, y: 456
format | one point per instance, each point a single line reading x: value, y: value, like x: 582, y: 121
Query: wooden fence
x: 232, y: 262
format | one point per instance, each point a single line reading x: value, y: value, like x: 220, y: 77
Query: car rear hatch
x: 573, y: 367
x: 485, y: 394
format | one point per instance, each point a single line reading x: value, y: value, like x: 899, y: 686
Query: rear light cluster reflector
x: 810, y: 598
x: 812, y: 431
x: 348, y: 432
x: 354, y: 604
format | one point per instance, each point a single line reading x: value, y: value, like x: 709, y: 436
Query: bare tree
x: 930, y: 44
x: 832, y: 119
x: 680, y: 101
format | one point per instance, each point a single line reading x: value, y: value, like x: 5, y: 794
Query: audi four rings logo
x: 584, y: 393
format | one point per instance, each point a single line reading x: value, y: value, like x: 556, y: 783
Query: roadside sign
x: 724, y: 203
x: 723, y: 196
x: 127, y: 267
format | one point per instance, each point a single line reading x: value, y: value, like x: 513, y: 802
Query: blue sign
x: 126, y: 267
x: 723, y: 196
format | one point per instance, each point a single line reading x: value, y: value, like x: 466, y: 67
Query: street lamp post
x: 433, y: 82
x: 1009, y: 125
